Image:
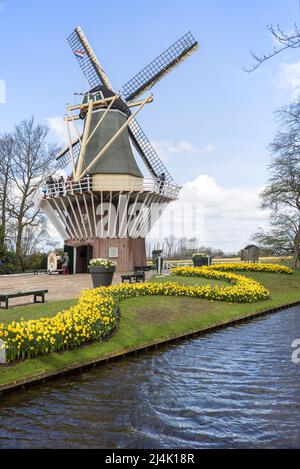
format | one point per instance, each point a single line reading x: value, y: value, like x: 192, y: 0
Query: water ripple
x: 235, y: 388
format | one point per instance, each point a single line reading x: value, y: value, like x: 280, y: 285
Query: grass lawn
x: 33, y: 310
x: 188, y: 280
x: 148, y: 319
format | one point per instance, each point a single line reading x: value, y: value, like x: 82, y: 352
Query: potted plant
x: 200, y: 259
x: 102, y: 271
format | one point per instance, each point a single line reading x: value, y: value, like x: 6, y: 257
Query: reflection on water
x: 232, y: 388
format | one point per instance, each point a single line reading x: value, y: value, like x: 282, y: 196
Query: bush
x: 8, y: 263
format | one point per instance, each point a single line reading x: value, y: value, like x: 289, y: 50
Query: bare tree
x: 282, y: 193
x: 30, y: 162
x: 33, y: 239
x: 6, y: 149
x: 279, y: 239
x: 290, y: 40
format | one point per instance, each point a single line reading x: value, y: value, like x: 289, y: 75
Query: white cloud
x: 209, y: 148
x: 58, y: 130
x: 2, y: 90
x: 221, y: 201
x: 289, y: 78
x: 166, y: 149
x: 221, y: 217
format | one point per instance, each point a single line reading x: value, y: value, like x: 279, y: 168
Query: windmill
x: 107, y: 207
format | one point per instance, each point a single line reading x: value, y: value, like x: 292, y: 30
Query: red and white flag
x: 79, y: 53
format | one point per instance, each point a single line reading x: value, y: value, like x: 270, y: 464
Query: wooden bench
x: 136, y: 276
x: 142, y: 268
x: 39, y: 271
x: 4, y: 297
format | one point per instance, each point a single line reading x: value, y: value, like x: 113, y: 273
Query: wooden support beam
x: 69, y: 217
x: 111, y: 206
x: 101, y: 120
x: 93, y: 57
x: 76, y: 219
x: 70, y: 144
x: 138, y: 103
x: 81, y: 216
x: 84, y: 140
x: 88, y: 215
x: 103, y: 101
x: 123, y: 232
x: 94, y: 214
x: 140, y: 216
x: 64, y: 219
x: 99, y: 103
x: 73, y: 118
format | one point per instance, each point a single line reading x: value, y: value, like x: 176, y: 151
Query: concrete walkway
x: 60, y: 287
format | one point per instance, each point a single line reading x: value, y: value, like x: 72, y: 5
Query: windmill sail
x: 87, y: 60
x: 159, y: 67
x: 64, y: 156
x: 145, y: 79
x: 147, y: 152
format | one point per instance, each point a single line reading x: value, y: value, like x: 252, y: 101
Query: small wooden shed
x: 250, y: 253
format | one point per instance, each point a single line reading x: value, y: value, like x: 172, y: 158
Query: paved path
x: 59, y: 287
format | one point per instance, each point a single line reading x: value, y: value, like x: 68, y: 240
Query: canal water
x: 235, y: 388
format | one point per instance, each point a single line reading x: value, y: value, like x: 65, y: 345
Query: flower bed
x: 96, y: 313
x: 253, y: 267
x: 242, y: 290
x: 92, y: 318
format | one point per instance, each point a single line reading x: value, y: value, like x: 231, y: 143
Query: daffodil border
x: 96, y: 314
x: 252, y: 267
x: 93, y: 318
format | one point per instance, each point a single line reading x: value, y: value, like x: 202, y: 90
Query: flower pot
x: 102, y: 276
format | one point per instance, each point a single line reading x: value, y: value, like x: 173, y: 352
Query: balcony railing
x: 64, y: 188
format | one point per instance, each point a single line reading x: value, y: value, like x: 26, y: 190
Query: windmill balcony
x: 87, y: 185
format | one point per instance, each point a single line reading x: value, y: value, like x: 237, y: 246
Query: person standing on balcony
x: 88, y: 180
x: 44, y: 189
x: 162, y: 182
x: 61, y: 185
x: 49, y: 184
x: 69, y: 183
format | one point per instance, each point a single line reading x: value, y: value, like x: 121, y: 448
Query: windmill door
x: 83, y: 255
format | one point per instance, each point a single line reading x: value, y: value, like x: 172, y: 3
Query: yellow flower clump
x: 242, y: 289
x: 252, y: 267
x: 92, y: 318
x: 96, y: 313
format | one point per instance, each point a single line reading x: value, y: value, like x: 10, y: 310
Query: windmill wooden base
x: 108, y: 224
x: 127, y: 252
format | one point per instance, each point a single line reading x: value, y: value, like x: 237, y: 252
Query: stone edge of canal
x: 77, y: 368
